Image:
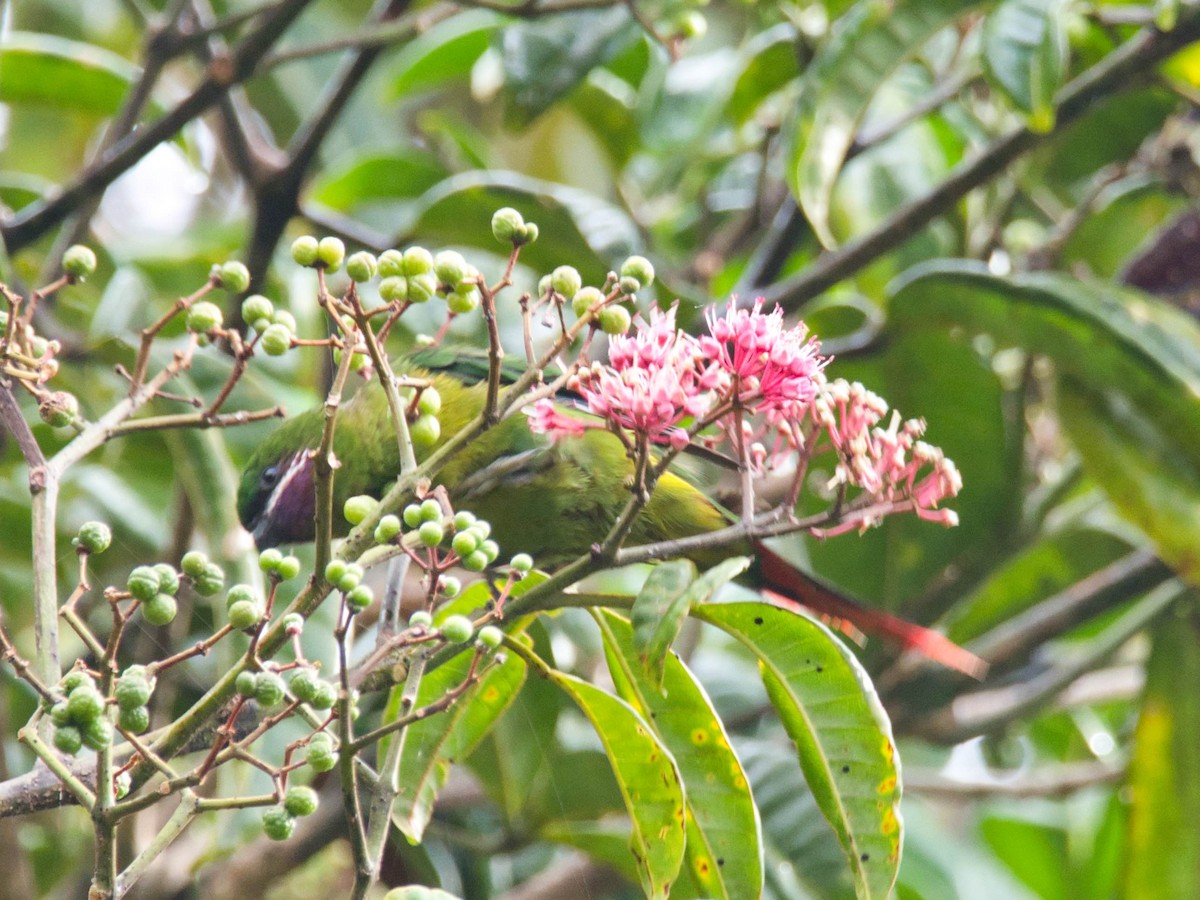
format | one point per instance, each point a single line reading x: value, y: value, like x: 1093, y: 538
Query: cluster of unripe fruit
x: 280, y: 821
x: 80, y: 714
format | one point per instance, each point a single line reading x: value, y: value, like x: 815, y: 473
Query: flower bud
x: 76, y: 678
x: 462, y: 302
x: 79, y: 262
x: 526, y: 235
x: 420, y: 619
x: 304, y: 250
x: 235, y: 277
x: 507, y: 225
x: 58, y: 409
x: 68, y: 739
x: 160, y: 610
x: 690, y: 24
x: 97, y: 734
x: 491, y: 637
x: 211, y: 581
x: 361, y: 266
x: 614, y: 319
x: 431, y: 533
x: 431, y: 510
x: 330, y: 253
x: 289, y: 567
x: 465, y: 543
x: 324, y: 695
x: 93, y: 537
x: 303, y: 684
x: 417, y: 261
x: 278, y: 824
x: 628, y: 285
x: 193, y: 563
x: 359, y: 598
x: 522, y: 562
x: 450, y: 267
x: 357, y: 508
x: 293, y: 623
x: 135, y: 719
x: 300, y: 801
x: 245, y: 614
x: 240, y: 593
x: 284, y: 318
x: 450, y: 586
x: 566, y: 280
x: 391, y: 264
x: 422, y: 288
x: 394, y: 289
x: 640, y: 268
x: 457, y: 629
x: 143, y: 583
x: 132, y: 689
x: 268, y: 690
x: 204, y: 317
x: 545, y: 285
x: 475, y: 562
x: 246, y: 683
x: 84, y: 704
x: 269, y: 560
x: 256, y: 307
x: 388, y: 528
x: 585, y: 299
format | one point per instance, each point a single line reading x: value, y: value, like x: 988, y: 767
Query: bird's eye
x: 269, y: 477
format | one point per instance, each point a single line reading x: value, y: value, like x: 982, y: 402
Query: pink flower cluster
x: 890, y: 464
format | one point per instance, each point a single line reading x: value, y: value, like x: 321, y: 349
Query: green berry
x: 168, y: 578
x: 289, y: 567
x: 431, y: 533
x: 204, y: 317
x: 84, y: 704
x: 566, y: 281
x: 79, y: 262
x: 211, y: 580
x: 359, y: 598
x: 545, y: 285
x: 260, y: 325
x: 357, y: 508
x: 135, y: 719
x: 240, y: 593
x: 330, y: 253
x: 507, y: 224
x: 451, y: 586
x: 322, y: 740
x: 418, y: 261
x: 94, y: 537
x: 475, y: 562
x: 394, y: 288
x: 465, y: 543
x: 482, y: 527
x: 528, y: 234
x: 245, y: 614
x: 68, y: 739
x: 276, y: 340
x: 462, y: 302
x: 324, y: 695
x: 388, y: 528
x: 585, y: 299
x: 293, y: 623
x: 420, y: 619
x: 304, y: 250
x: 143, y: 583
x: 235, y: 277
x: 256, y: 307
x: 300, y: 801
x: 425, y: 431
x: 391, y: 264
x: 303, y: 684
x: 639, y: 268
x: 132, y: 690
x: 269, y: 559
x: 361, y: 266
x: 247, y: 683
x: 491, y: 636
x: 628, y: 285
x: 60, y: 714
x: 349, y: 581
x: 457, y: 629
x: 98, y: 733
x: 412, y: 515
x: 422, y: 288
x: 614, y: 320
x: 430, y: 402
x: 268, y: 690
x: 322, y: 759
x: 431, y: 510
x: 690, y: 24
x: 284, y: 318
x: 161, y: 610
x: 450, y: 267
x: 463, y: 519
x: 58, y: 409
x: 522, y: 562
x: 491, y: 550
x: 193, y: 563
x: 335, y: 570
x: 278, y: 823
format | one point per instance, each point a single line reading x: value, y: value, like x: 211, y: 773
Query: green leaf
x: 545, y: 58
x: 658, y: 611
x: 376, y: 176
x: 1025, y: 56
x: 445, y: 52
x: 1035, y: 852
x: 868, y: 44
x: 65, y: 74
x: 1130, y: 372
x: 575, y: 225
x: 433, y: 745
x: 771, y: 62
x: 606, y: 841
x: 724, y: 849
x: 1162, y: 842
x: 418, y: 892
x: 646, y: 773
x: 841, y: 732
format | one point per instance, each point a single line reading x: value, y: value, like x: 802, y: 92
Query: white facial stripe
x: 295, y: 465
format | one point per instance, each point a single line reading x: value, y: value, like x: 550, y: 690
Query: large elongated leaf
x: 842, y: 735
x: 433, y: 745
x: 575, y: 226
x: 724, y: 848
x: 1130, y: 368
x: 446, y: 51
x: 1024, y: 54
x: 647, y: 775
x: 867, y: 46
x: 1163, y: 844
x: 44, y: 68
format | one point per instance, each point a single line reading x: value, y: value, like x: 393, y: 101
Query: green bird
x: 551, y: 499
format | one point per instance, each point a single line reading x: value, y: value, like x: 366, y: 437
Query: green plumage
x: 553, y: 500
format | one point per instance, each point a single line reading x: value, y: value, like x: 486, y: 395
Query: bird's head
x: 275, y: 497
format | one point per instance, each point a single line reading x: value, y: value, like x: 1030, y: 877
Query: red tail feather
x: 788, y: 586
